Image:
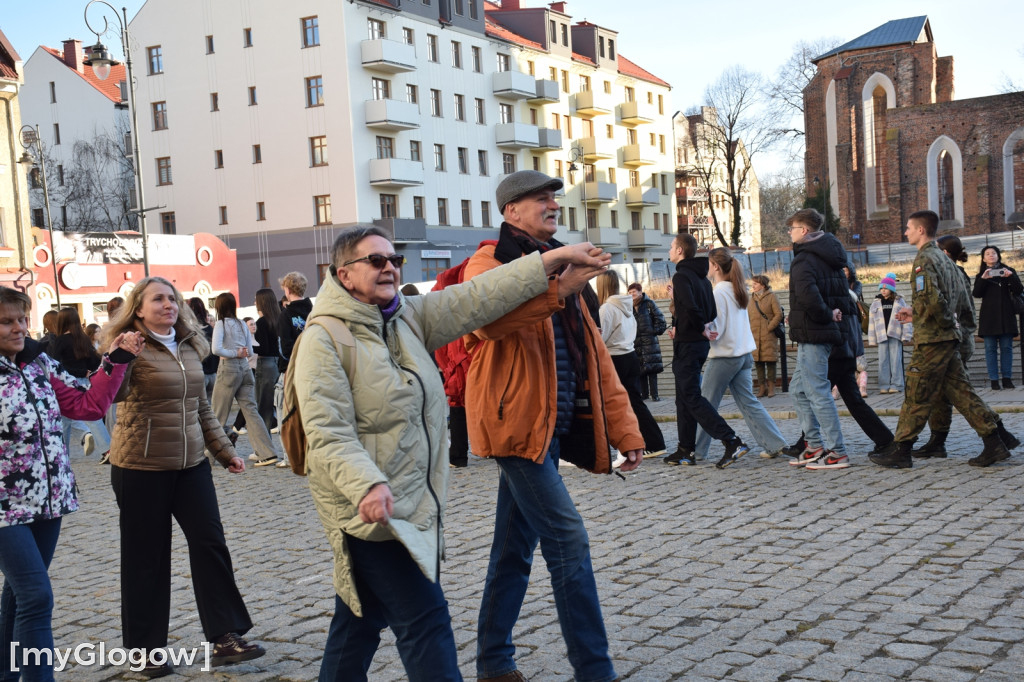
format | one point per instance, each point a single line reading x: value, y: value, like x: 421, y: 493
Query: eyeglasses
x: 379, y: 261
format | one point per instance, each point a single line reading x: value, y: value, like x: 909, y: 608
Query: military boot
x: 935, y: 447
x: 994, y: 451
x: 1009, y: 440
x: 895, y: 455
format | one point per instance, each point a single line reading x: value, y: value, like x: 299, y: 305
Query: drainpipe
x: 12, y: 135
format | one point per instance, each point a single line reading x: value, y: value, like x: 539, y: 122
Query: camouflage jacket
x: 939, y: 295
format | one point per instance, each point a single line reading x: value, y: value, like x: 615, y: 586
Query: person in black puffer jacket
x: 996, y: 284
x: 819, y: 301
x: 650, y: 324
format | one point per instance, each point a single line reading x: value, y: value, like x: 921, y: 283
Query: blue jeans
x: 812, y: 393
x: 534, y: 506
x: 393, y: 593
x: 98, y: 429
x: 890, y: 364
x: 26, y: 604
x: 999, y: 356
x: 734, y: 374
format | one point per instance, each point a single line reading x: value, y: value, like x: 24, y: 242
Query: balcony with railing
x: 691, y: 194
x: 388, y: 55
x: 646, y: 239
x: 636, y: 113
x: 640, y: 196
x: 395, y: 172
x: 591, y: 103
x: 596, y: 148
x: 547, y: 91
x: 596, y: 192
x: 636, y: 155
x: 392, y: 114
x: 517, y: 135
x: 404, y: 230
x: 696, y: 221
x: 549, y: 138
x: 514, y: 85
x: 604, y: 236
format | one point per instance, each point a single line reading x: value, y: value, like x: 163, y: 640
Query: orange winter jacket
x: 511, y: 392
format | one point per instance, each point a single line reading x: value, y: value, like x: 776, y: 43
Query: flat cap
x: 523, y: 183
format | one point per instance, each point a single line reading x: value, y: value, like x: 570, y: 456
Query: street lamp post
x: 576, y: 154
x: 101, y: 61
x: 30, y: 138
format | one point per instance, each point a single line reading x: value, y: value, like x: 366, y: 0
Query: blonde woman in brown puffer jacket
x: 159, y: 471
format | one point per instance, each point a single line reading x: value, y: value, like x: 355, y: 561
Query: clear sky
x: 688, y: 44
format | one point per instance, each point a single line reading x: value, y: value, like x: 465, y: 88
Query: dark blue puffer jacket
x: 817, y: 286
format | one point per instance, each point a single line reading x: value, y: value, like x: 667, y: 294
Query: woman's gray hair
x: 345, y: 245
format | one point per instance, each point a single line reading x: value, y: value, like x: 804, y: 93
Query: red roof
x: 109, y: 88
x: 8, y: 59
x: 628, y: 68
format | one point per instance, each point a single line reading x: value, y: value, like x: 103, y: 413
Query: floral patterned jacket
x: 36, y: 481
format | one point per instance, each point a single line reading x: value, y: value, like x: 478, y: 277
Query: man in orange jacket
x: 542, y: 387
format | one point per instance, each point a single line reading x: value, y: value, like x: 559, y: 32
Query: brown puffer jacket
x: 762, y: 329
x: 164, y: 419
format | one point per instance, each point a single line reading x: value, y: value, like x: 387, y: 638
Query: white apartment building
x: 71, y: 107
x: 276, y: 125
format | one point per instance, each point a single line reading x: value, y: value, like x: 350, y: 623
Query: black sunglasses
x: 378, y: 261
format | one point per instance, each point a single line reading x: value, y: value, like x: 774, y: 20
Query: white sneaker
x: 88, y: 444
x: 242, y: 431
x: 266, y: 461
x: 283, y: 464
x: 619, y: 461
x: 254, y: 457
x: 276, y: 429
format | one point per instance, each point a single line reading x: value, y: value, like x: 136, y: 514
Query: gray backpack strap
x: 344, y: 342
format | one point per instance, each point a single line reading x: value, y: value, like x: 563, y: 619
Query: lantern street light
x: 100, y: 60
x: 30, y: 138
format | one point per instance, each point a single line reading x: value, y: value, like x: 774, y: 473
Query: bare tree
x: 737, y: 125
x: 1008, y: 83
x: 782, y: 195
x: 786, y: 91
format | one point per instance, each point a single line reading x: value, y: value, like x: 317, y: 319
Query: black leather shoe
x: 1007, y: 383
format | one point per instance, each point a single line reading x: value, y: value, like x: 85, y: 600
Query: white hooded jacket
x: 618, y: 326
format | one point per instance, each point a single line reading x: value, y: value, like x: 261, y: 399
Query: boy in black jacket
x: 695, y: 310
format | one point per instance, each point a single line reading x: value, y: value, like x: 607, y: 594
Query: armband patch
x: 920, y: 282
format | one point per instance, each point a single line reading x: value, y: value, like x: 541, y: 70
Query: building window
x: 64, y: 217
x: 565, y: 81
x: 322, y: 204
x: 630, y: 136
x: 53, y: 90
x: 159, y: 115
x: 611, y: 174
x: 536, y: 163
x: 657, y: 221
x: 414, y: 150
x: 460, y: 107
x: 634, y: 219
x: 376, y: 28
x: 572, y: 220
x: 558, y: 169
x: 584, y: 83
x: 463, y: 156
x: 481, y: 118
x: 664, y: 184
x: 218, y: 158
x: 315, y: 91
x: 252, y: 95
x: 385, y: 147
x: 56, y: 133
x: 611, y: 49
x: 318, y: 150
x: 630, y: 94
x: 478, y: 59
x: 508, y: 163
x: 223, y: 213
x: 388, y: 205
x: 661, y: 143
x: 209, y: 44
x: 60, y: 175
x: 467, y: 213
x: 553, y: 31
x: 167, y: 223
x: 37, y: 217
x: 432, y: 267
x: 634, y: 178
x: 155, y: 57
x: 381, y: 88
x: 458, y: 7
x: 456, y: 55
x: 552, y: 74
x: 661, y: 104
x: 435, y: 102
x: 615, y: 219
x: 310, y: 31
x: 261, y: 211
x: 163, y: 170
x: 481, y: 158
x: 600, y: 45
x: 607, y: 87
x: 568, y: 126
x: 417, y: 207
x: 439, y: 157
x: 485, y: 213
x: 432, y: 48
x: 531, y: 68
x: 504, y: 62
x: 246, y: 37
x: 408, y: 36
x: 506, y: 112
x: 473, y: 9
x: 257, y: 154
x: 214, y: 101
x: 412, y: 93
x: 442, y: 211
x: 565, y: 34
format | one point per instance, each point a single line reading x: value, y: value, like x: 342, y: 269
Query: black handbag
x: 1018, y: 303
x: 780, y: 329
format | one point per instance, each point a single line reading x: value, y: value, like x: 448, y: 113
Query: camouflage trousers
x: 936, y: 370
x: 941, y: 418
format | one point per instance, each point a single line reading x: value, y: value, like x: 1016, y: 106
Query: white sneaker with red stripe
x: 830, y: 461
x: 808, y: 456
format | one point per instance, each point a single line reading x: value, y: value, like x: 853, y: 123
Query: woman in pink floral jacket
x: 37, y: 486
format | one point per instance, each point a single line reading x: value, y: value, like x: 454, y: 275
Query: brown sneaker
x: 231, y: 648
x: 514, y: 676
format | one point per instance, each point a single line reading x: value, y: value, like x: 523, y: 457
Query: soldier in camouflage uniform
x: 936, y: 367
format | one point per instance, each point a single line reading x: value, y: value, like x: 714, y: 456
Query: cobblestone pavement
x: 761, y: 571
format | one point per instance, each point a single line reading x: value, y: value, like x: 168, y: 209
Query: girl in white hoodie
x: 730, y: 361
x: 618, y: 330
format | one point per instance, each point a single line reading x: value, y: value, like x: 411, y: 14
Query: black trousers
x: 458, y: 451
x: 628, y: 368
x: 692, y: 408
x: 148, y: 500
x: 649, y: 385
x: 843, y: 375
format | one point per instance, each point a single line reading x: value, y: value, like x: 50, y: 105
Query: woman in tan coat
x: 765, y: 315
